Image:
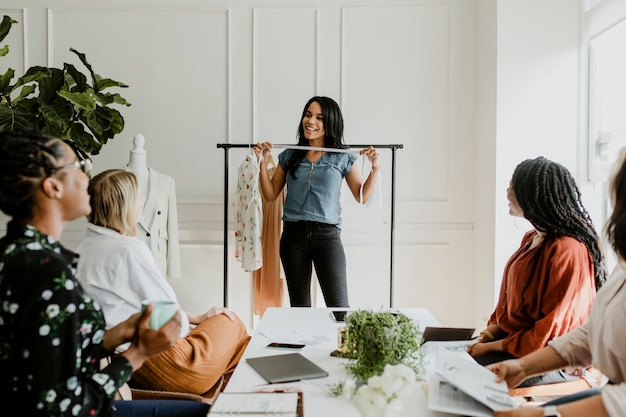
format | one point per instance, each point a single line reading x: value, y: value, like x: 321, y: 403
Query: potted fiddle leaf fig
x: 64, y: 103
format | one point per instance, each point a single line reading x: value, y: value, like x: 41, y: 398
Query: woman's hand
x: 372, y: 154
x: 510, y: 371
x: 219, y: 310
x: 481, y: 349
x: 147, y: 342
x: 121, y: 333
x: 262, y: 149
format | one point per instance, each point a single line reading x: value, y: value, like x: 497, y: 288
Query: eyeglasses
x: 84, y: 165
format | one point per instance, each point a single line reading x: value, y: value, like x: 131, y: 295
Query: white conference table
x: 316, y: 328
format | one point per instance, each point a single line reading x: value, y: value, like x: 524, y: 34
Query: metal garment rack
x: 393, y: 148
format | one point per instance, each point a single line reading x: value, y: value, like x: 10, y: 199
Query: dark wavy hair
x: 551, y: 201
x: 26, y: 158
x: 333, y: 130
x: 616, y: 224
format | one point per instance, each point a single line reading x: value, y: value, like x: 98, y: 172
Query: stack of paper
x: 251, y: 404
x: 460, y: 385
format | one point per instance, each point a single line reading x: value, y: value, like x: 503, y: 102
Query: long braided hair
x: 616, y: 225
x: 551, y: 201
x: 333, y: 130
x: 26, y: 158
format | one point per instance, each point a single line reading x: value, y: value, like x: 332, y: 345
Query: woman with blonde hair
x: 119, y: 271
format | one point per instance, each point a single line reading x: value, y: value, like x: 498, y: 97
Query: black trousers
x: 307, y: 244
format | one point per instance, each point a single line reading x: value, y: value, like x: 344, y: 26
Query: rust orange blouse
x: 546, y: 291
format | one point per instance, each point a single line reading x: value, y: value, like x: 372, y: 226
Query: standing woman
x: 549, y: 283
x: 312, y: 209
x: 52, y: 334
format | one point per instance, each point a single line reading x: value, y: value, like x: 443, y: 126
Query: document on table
x: 461, y: 371
x: 251, y: 404
x: 445, y: 397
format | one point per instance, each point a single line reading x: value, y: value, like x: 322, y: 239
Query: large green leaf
x: 84, y: 139
x: 33, y: 74
x: 104, y: 83
x: 117, y: 121
x: 10, y: 119
x: 79, y: 79
x: 26, y: 90
x: 4, y: 50
x: 5, y: 80
x: 83, y: 101
x: 98, y: 121
x: 48, y: 87
x: 60, y: 132
x: 83, y: 59
x: 59, y: 113
x: 5, y: 27
x: 107, y: 98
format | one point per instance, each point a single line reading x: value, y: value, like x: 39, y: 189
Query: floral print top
x: 51, y: 333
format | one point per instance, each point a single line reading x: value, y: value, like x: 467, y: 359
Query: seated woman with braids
x: 550, y: 282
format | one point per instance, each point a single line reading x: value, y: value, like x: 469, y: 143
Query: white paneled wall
x: 421, y: 73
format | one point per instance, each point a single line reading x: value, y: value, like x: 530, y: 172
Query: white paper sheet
x: 256, y: 404
x: 445, y: 397
x: 459, y: 369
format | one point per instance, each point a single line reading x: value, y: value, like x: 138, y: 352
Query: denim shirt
x: 315, y: 193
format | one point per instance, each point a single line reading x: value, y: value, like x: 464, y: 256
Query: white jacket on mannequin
x: 158, y: 226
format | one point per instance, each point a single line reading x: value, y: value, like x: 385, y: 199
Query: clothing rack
x: 392, y: 148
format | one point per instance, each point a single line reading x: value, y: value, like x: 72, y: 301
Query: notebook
x: 286, y: 368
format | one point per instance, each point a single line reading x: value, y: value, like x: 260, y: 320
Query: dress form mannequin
x: 138, y: 163
x: 158, y: 226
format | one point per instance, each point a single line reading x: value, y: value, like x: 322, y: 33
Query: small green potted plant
x: 384, y: 361
x: 60, y: 102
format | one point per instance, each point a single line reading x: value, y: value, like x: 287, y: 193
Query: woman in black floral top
x: 52, y: 334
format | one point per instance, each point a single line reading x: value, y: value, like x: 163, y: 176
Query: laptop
x: 286, y: 368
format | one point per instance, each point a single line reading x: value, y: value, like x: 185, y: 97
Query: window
x: 607, y: 99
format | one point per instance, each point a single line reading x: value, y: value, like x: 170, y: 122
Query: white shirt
x: 119, y: 272
x: 601, y: 341
x: 248, y: 216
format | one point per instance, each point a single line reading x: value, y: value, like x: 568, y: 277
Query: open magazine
x: 459, y: 385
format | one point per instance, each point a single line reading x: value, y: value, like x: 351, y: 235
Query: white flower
x: 44, y: 330
x: 50, y: 396
x: 33, y: 245
x: 53, y: 310
x: 69, y: 284
x: 76, y: 409
x: 71, y: 308
x: 64, y: 404
x: 46, y: 295
x: 382, y: 395
x: 98, y: 336
x: 397, y: 380
x: 370, y: 402
x: 72, y: 383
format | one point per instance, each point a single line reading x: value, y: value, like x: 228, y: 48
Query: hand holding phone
x: 286, y: 345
